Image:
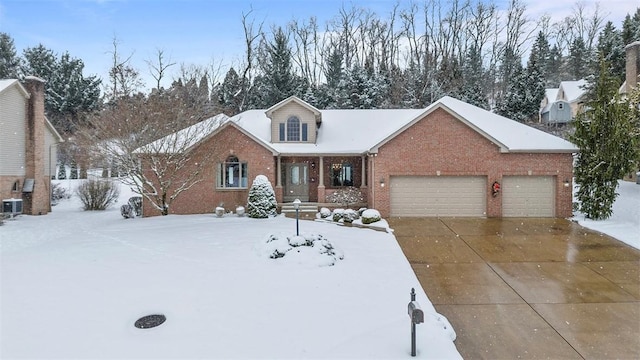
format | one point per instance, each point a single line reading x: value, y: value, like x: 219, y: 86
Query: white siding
x: 528, y: 196
x: 50, y: 152
x: 430, y: 196
x: 12, y: 132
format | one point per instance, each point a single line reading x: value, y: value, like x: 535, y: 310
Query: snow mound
x: 306, y: 249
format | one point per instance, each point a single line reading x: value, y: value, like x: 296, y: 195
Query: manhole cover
x: 150, y: 321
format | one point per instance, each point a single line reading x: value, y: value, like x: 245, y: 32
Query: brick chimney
x: 36, y: 201
x: 632, y: 65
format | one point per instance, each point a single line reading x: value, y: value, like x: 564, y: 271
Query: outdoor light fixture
x: 313, y: 164
x: 296, y: 205
x: 382, y: 182
x: 566, y: 183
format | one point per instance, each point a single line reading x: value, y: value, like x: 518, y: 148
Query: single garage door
x: 528, y: 196
x: 438, y: 196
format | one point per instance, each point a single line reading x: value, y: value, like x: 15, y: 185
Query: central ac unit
x: 12, y: 206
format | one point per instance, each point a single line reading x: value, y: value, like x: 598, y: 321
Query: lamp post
x: 296, y: 205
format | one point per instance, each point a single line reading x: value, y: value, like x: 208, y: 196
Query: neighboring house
x: 632, y: 78
x: 438, y: 161
x: 561, y: 105
x: 27, y: 145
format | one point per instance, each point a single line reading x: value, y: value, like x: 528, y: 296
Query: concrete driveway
x: 528, y: 288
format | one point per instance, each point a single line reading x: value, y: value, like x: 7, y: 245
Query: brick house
x: 27, y: 145
x: 445, y: 160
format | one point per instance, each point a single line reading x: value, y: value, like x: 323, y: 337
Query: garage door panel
x: 528, y: 196
x: 438, y: 196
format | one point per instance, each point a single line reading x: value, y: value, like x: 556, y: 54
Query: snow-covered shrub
x: 262, y: 199
x: 97, y: 194
x: 308, y: 249
x: 361, y: 210
x: 346, y: 196
x: 325, y: 212
x: 127, y: 211
x: 336, y: 215
x: 240, y: 210
x: 136, y: 204
x: 219, y: 211
x: 370, y: 216
x: 58, y: 192
x: 349, y: 215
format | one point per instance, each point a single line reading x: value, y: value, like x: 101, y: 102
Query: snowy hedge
x: 370, y: 216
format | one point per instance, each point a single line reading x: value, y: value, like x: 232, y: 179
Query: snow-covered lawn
x: 624, y: 224
x: 73, y: 283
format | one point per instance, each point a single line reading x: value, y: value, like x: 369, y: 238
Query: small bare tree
x: 153, y: 142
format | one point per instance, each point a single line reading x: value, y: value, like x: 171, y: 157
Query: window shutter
x: 281, y: 131
x: 304, y: 132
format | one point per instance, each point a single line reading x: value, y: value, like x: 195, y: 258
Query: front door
x: 296, y: 182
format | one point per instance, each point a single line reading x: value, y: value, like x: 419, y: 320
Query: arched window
x: 232, y: 173
x: 293, y: 129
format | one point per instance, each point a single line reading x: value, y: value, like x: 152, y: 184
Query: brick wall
x: 442, y: 143
x: 37, y: 202
x: 204, y: 197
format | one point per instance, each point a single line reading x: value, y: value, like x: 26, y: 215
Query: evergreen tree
x: 359, y: 90
x: 69, y: 95
x: 62, y: 171
x: 607, y: 135
x: 9, y: 60
x: 611, y: 49
x: 230, y: 94
x: 577, y: 63
x: 472, y: 90
x: 553, y: 70
x: 631, y: 28
x: 262, y: 199
x: 278, y: 81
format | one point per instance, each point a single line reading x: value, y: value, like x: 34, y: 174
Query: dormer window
x: 293, y: 130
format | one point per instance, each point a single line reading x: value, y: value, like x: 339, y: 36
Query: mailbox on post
x: 417, y: 317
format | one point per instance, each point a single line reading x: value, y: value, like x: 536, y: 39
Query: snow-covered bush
x: 370, y: 216
x: 336, y: 215
x: 349, y: 215
x: 240, y: 210
x: 127, y: 211
x: 307, y: 248
x: 58, y: 192
x: 262, y: 199
x: 361, y: 210
x: 325, y: 213
x: 136, y: 204
x: 219, y: 211
x: 346, y: 196
x: 97, y: 194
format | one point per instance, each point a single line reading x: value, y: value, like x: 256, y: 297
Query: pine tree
x: 9, y: 60
x: 631, y: 28
x: 577, y: 63
x: 262, y: 199
x: 472, y: 90
x: 607, y: 135
x: 611, y: 49
x: 230, y: 94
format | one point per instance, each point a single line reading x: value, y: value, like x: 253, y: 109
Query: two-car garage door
x: 438, y: 196
x: 431, y: 196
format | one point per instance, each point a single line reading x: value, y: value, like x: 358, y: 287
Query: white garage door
x: 438, y: 195
x: 528, y: 196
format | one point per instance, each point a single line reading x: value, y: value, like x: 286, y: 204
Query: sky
x: 194, y: 31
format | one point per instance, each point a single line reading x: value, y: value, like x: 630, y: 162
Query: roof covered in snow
x: 358, y: 131
x: 572, y: 90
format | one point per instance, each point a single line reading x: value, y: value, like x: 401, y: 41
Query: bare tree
x: 124, y: 80
x: 144, y: 137
x: 158, y: 67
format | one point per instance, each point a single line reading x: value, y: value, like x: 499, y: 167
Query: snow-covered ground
x: 624, y: 224
x: 73, y: 283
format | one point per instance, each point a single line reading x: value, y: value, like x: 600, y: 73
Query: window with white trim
x: 232, y: 174
x: 293, y: 130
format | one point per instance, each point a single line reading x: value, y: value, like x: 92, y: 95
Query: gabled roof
x: 7, y: 83
x: 317, y: 113
x: 573, y: 90
x: 53, y: 130
x: 358, y: 132
x: 509, y: 135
